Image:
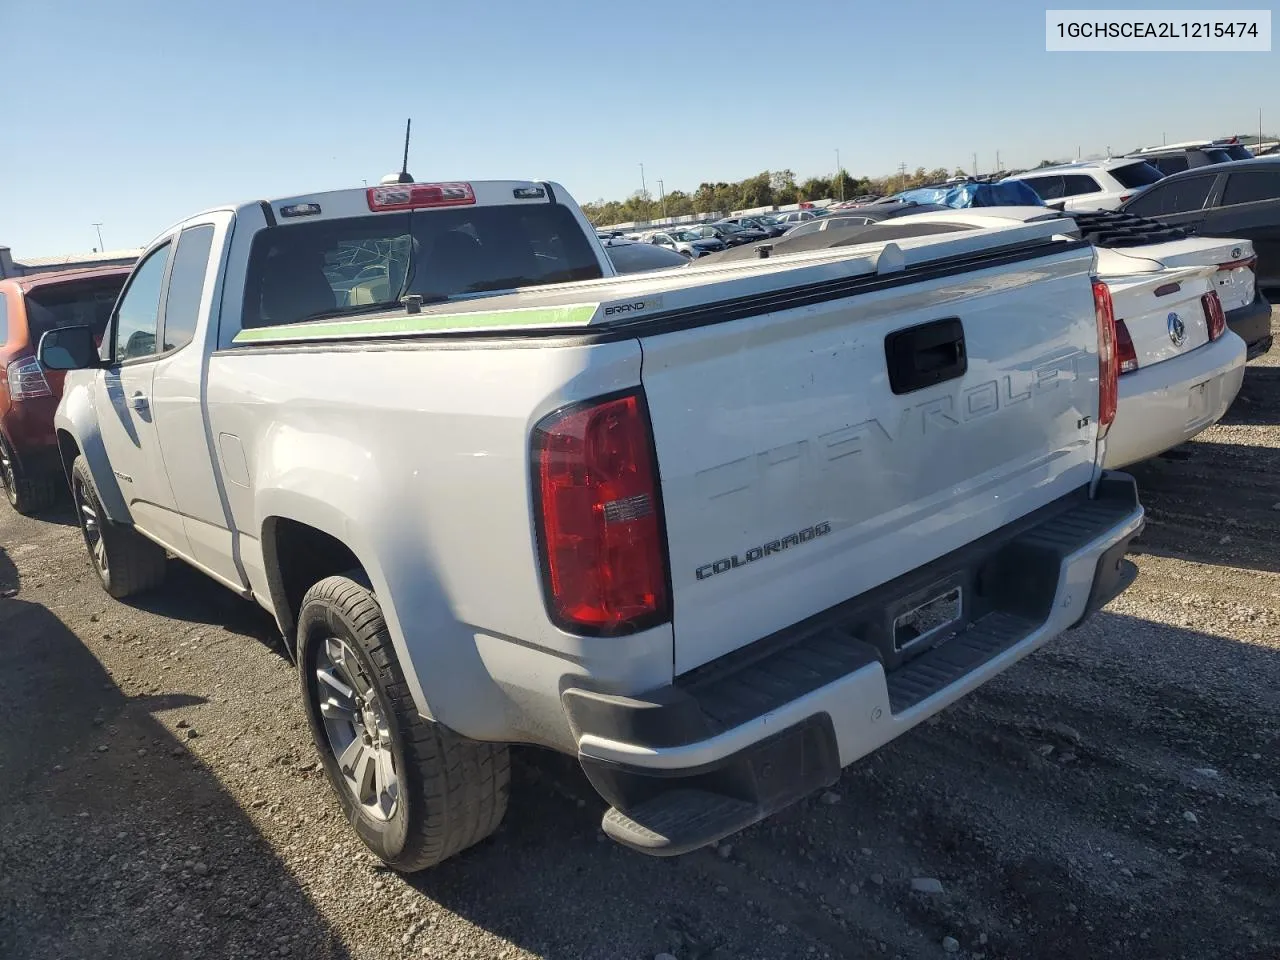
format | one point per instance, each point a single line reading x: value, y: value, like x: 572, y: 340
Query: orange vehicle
x: 30, y: 467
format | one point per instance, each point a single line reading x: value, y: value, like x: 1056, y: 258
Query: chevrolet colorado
x: 717, y: 532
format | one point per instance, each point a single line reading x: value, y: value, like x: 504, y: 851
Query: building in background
x: 11, y: 267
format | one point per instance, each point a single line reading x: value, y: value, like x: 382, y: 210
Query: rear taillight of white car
x: 1108, y: 358
x: 26, y: 380
x: 1250, y: 263
x: 1126, y: 356
x: 598, y: 516
x: 1214, y: 314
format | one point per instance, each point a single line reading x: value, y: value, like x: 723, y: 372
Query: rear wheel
x: 25, y: 494
x: 415, y: 791
x: 126, y: 562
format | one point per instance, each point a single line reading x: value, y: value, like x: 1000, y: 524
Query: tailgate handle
x: 920, y: 356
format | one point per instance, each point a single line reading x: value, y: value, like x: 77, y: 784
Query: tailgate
x: 794, y: 477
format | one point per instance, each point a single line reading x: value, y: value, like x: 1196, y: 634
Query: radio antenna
x: 403, y: 176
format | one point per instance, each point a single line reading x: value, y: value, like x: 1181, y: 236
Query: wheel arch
x: 76, y: 426
x: 305, y: 539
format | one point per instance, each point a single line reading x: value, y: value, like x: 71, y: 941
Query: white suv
x: 1091, y: 185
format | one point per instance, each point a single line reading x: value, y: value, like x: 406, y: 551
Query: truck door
x: 177, y: 396
x: 123, y: 402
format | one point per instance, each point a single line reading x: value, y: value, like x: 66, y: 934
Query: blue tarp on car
x: 1010, y: 193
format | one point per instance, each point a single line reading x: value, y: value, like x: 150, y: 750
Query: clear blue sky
x: 137, y: 113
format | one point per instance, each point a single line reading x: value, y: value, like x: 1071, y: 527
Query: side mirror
x: 1057, y: 205
x: 69, y: 348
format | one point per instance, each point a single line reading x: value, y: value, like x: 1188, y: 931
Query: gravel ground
x: 1114, y: 795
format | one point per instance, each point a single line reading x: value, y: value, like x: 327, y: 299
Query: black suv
x: 1177, y: 159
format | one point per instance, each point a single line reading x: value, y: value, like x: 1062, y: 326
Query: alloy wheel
x: 91, y: 527
x: 356, y: 726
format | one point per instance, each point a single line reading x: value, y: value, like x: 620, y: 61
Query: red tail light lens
x: 1108, y: 362
x: 1125, y: 354
x: 599, y: 521
x: 26, y: 380
x: 1214, y: 315
x: 1250, y: 262
x: 412, y: 196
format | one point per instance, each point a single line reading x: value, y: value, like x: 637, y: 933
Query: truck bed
x: 623, y: 302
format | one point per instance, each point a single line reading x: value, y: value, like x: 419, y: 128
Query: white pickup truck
x: 716, y: 532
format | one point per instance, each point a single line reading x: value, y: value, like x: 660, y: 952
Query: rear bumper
x: 28, y: 427
x: 746, y: 735
x: 1252, y: 324
x: 1170, y: 402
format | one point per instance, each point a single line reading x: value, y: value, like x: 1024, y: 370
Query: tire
x: 27, y: 495
x: 126, y: 562
x: 449, y: 792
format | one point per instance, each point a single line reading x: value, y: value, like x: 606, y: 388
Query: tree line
x: 767, y: 189
x: 772, y: 188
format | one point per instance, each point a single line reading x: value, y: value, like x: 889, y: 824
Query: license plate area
x: 930, y: 617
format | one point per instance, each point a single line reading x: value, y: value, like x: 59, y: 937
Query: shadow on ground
x: 114, y: 841
x: 192, y: 597
x: 1128, y: 708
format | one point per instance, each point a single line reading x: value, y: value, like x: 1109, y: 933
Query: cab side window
x: 186, y: 286
x: 4, y: 319
x: 137, y: 320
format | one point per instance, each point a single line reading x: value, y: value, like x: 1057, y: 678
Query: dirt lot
x: 1114, y: 795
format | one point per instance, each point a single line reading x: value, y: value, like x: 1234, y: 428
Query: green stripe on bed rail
x: 574, y: 315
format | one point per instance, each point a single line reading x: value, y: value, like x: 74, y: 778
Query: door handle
x: 926, y: 354
x: 139, y: 402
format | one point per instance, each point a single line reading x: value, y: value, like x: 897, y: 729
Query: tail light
x: 599, y: 519
x: 1126, y: 356
x: 1127, y: 196
x: 26, y: 380
x: 412, y: 196
x: 1214, y: 315
x: 1250, y: 262
x: 1108, y: 362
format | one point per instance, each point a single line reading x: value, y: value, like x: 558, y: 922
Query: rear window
x: 359, y: 264
x: 1133, y: 175
x: 1176, y: 196
x: 1172, y: 164
x: 82, y: 303
x: 1237, y: 152
x: 1207, y: 157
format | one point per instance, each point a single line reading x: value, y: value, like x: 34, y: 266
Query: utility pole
x: 902, y: 173
x: 839, y: 173
x: 1259, y: 124
x: 98, y: 227
x: 997, y: 169
x: 975, y: 164
x: 1077, y: 154
x: 662, y: 191
x: 644, y: 191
